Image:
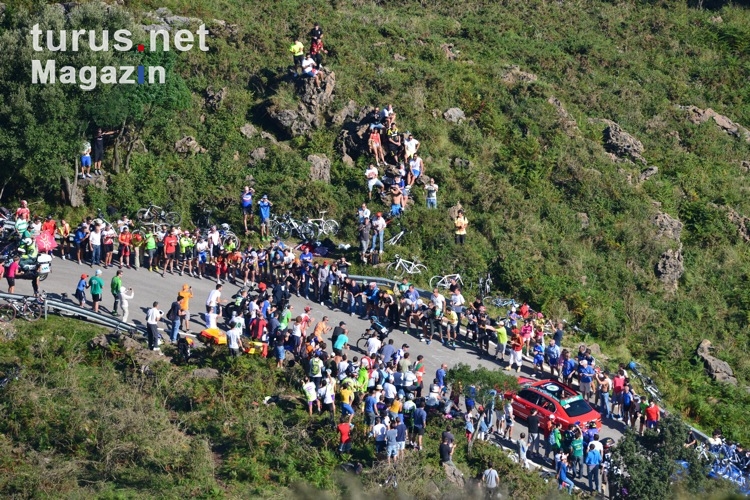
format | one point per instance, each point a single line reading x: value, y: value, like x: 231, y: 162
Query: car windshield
x: 575, y: 407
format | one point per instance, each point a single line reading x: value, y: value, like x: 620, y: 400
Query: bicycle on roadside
x: 287, y: 225
x: 28, y: 308
x: 324, y: 227
x: 445, y: 281
x: 229, y: 240
x: 646, y: 381
x: 400, y: 266
x: 485, y: 285
x: 502, y: 302
x: 154, y: 213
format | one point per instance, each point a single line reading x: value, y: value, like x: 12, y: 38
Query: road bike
x: 445, y: 281
x: 323, y: 226
x: 287, y: 225
x: 646, y: 382
x: 229, y: 240
x: 204, y: 220
x: 501, y: 302
x: 29, y: 308
x: 400, y: 266
x: 154, y: 213
x: 485, y: 285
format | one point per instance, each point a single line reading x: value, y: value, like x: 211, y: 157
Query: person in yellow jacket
x: 461, y: 223
x: 298, y: 53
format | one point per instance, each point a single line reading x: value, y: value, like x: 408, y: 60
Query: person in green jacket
x: 285, y: 318
x: 577, y: 454
x: 116, y: 289
x: 150, y: 248
x: 96, y: 284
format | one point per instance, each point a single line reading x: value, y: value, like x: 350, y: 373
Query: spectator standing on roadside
x: 96, y: 283
x: 116, y: 289
x: 372, y: 175
x: 125, y: 296
x: 378, y: 230
x: 153, y: 316
x: 593, y: 462
x: 652, y: 415
x: 80, y: 294
x: 534, y: 433
x: 432, y: 190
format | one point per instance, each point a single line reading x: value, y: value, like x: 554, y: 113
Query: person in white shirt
x: 214, y: 243
x: 153, y: 316
x: 95, y: 245
x: 372, y: 175
x: 438, y: 299
x: 214, y: 300
x: 125, y: 296
x: 378, y: 228
x: 201, y: 256
x: 310, y: 69
x: 363, y: 213
x: 234, y: 340
x: 373, y: 345
x: 411, y: 146
x: 389, y: 391
x: 378, y: 431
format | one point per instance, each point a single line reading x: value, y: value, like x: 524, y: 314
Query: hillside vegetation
x: 533, y: 173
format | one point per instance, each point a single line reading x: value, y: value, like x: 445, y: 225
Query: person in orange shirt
x: 185, y: 295
x: 653, y: 413
x: 321, y: 329
x: 126, y: 241
x: 170, y: 249
x: 49, y: 225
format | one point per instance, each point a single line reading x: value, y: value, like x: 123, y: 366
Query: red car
x: 552, y: 397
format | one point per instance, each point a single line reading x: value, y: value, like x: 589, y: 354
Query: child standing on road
x: 81, y: 290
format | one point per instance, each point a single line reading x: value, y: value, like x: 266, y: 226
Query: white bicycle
x: 445, y: 281
x: 400, y: 266
x: 324, y: 226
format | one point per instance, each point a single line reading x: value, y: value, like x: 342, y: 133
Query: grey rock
x: 219, y: 28
x: 312, y: 108
x: 454, y: 475
x: 583, y: 218
x: 268, y: 137
x: 450, y: 51
x: 215, y: 97
x: 667, y: 227
x: 454, y: 115
x: 741, y: 222
x: 181, y: 20
x: 621, y: 143
x: 398, y: 57
x: 248, y: 130
x: 257, y: 156
x: 188, y: 144
x: 347, y: 160
x: 647, y: 173
x: 745, y: 166
x: 717, y: 369
x: 349, y: 111
x: 320, y: 168
x: 513, y: 76
x: 698, y: 116
x: 670, y: 268
x: 205, y: 373
x: 461, y: 163
x: 353, y: 138
x: 155, y: 27
x: 567, y: 121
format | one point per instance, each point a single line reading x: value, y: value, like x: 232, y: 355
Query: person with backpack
x: 175, y: 315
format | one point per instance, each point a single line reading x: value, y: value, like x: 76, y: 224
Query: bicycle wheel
x: 306, y: 231
x: 230, y: 241
x: 33, y: 311
x: 330, y: 226
x: 362, y: 344
x: 419, y: 268
x: 283, y: 231
x: 143, y: 214
x: 435, y: 280
x: 393, y: 269
x: 172, y: 218
x: 43, y: 277
x: 7, y: 313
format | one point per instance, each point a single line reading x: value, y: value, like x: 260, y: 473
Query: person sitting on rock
x: 411, y: 146
x: 310, y: 69
x: 316, y: 50
x: 416, y: 169
x: 388, y: 116
x: 376, y: 146
x: 372, y: 175
x: 374, y: 119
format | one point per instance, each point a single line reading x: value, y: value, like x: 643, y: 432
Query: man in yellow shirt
x: 298, y: 52
x: 461, y: 224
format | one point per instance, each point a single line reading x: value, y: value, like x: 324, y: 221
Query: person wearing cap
x: 96, y: 283
x: 378, y: 230
x: 264, y: 210
x: 80, y: 293
x: 460, y: 223
x: 108, y: 244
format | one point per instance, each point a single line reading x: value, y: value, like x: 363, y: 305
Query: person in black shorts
x: 98, y: 150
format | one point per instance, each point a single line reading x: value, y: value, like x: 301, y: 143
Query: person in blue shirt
x: 246, y: 200
x: 538, y: 358
x: 370, y: 403
x: 420, y: 423
x: 585, y: 376
x: 81, y: 290
x: 568, y: 367
x: 593, y: 462
x: 562, y: 475
x: 552, y: 353
x: 373, y: 297
x: 440, y: 375
x: 79, y: 238
x: 264, y: 207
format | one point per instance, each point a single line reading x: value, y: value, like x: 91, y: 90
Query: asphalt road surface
x: 149, y: 287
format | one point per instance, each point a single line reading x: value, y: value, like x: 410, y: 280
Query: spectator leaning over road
x: 116, y: 289
x: 153, y: 316
x: 562, y: 475
x: 516, y: 355
x: 96, y: 283
x: 461, y: 223
x: 432, y: 190
x: 175, y: 315
x: 213, y: 302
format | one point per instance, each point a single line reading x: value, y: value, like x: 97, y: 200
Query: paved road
x: 150, y: 287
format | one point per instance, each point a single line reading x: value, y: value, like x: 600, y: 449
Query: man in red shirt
x: 652, y: 415
x: 316, y: 48
x: 170, y: 247
x: 125, y: 240
x: 23, y: 212
x: 49, y: 225
x: 618, y: 384
x: 345, y: 429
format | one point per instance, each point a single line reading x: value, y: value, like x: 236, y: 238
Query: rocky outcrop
x: 745, y: 166
x: 647, y: 173
x: 583, y: 218
x: 188, y: 144
x: 670, y: 268
x: 352, y: 141
x: 248, y: 130
x: 141, y: 356
x: 214, y: 98
x: 399, y: 57
x: 256, y: 156
x: 450, y: 51
x: 219, y: 28
x: 311, y: 112
x: 698, y: 116
x: 461, y: 163
x: 454, y: 115
x: 741, y: 222
x: 717, y: 369
x: 320, y: 168
x: 667, y: 227
x: 454, y: 475
x: 621, y: 143
x: 513, y: 76
x: 205, y: 373
x: 567, y: 121
x: 348, y: 112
